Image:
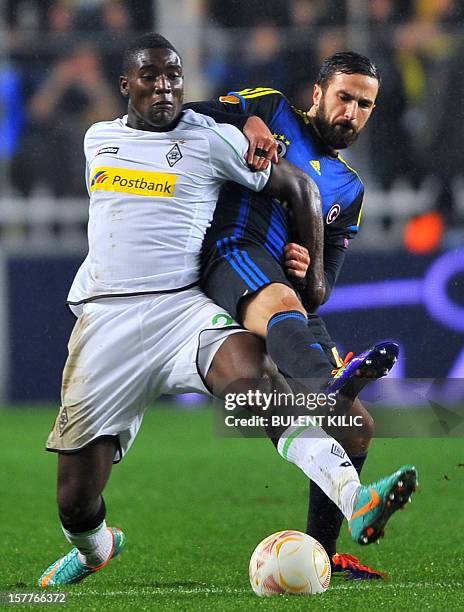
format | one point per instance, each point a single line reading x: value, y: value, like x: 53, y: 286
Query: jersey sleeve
x: 215, y: 110
x: 334, y: 256
x: 264, y: 102
x: 92, y: 141
x: 87, y: 177
x: 228, y: 147
x: 90, y: 149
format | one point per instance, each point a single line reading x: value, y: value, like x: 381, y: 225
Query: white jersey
x: 152, y: 198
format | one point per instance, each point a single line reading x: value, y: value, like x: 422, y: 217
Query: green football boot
x: 375, y: 503
x: 69, y: 570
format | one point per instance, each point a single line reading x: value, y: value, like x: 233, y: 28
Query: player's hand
x: 296, y: 260
x: 263, y: 147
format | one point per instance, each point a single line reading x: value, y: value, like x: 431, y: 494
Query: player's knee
x: 268, y: 373
x: 358, y: 440
x: 368, y: 427
x: 256, y: 366
x: 367, y: 430
x: 272, y: 299
x: 280, y: 298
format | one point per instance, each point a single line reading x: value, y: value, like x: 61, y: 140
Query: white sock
x: 94, y: 546
x: 324, y: 461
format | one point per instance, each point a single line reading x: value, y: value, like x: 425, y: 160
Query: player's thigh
x: 240, y: 364
x: 239, y: 273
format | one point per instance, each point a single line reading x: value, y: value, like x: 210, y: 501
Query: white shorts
x: 124, y: 353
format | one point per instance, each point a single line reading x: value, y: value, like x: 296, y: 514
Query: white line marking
x: 233, y: 591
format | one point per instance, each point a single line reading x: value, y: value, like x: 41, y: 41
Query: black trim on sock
x: 358, y: 461
x: 87, y: 524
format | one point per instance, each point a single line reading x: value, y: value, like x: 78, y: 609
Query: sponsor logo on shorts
x: 139, y: 182
x: 333, y: 213
x: 222, y: 318
x: 337, y: 451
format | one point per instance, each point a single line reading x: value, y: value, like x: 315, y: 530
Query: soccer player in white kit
x: 143, y: 327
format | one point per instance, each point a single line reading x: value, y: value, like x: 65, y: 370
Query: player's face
x: 343, y: 108
x: 155, y: 88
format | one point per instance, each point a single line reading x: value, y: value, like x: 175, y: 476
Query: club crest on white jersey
x: 146, y: 221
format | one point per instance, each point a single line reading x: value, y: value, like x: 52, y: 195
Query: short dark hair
x: 346, y: 62
x: 151, y: 40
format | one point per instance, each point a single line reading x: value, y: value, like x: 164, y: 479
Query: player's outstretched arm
x: 289, y: 183
x: 263, y: 146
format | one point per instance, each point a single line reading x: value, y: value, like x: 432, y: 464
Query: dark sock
x: 324, y: 517
x: 294, y: 349
x: 88, y: 524
x: 358, y: 461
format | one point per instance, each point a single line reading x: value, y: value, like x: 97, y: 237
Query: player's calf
x: 257, y: 310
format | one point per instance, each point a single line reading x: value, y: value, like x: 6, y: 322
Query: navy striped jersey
x: 250, y: 217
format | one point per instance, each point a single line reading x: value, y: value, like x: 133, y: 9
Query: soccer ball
x: 289, y: 562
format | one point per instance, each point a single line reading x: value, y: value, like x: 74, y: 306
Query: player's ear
x: 124, y: 86
x: 317, y: 94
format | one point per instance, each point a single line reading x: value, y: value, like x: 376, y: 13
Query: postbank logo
x: 99, y: 177
x: 139, y: 182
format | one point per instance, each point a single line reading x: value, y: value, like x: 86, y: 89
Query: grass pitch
x: 194, y: 506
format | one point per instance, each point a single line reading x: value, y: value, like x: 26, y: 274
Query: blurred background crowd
x: 59, y: 68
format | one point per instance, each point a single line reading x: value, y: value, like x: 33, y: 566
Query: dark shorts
x: 242, y: 271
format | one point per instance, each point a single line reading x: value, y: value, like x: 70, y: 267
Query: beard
x: 338, y: 135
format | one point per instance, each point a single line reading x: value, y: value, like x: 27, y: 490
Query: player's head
x: 344, y: 97
x: 153, y: 82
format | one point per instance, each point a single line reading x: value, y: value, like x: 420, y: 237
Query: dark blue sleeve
x: 264, y: 102
x: 334, y: 256
x: 219, y: 113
